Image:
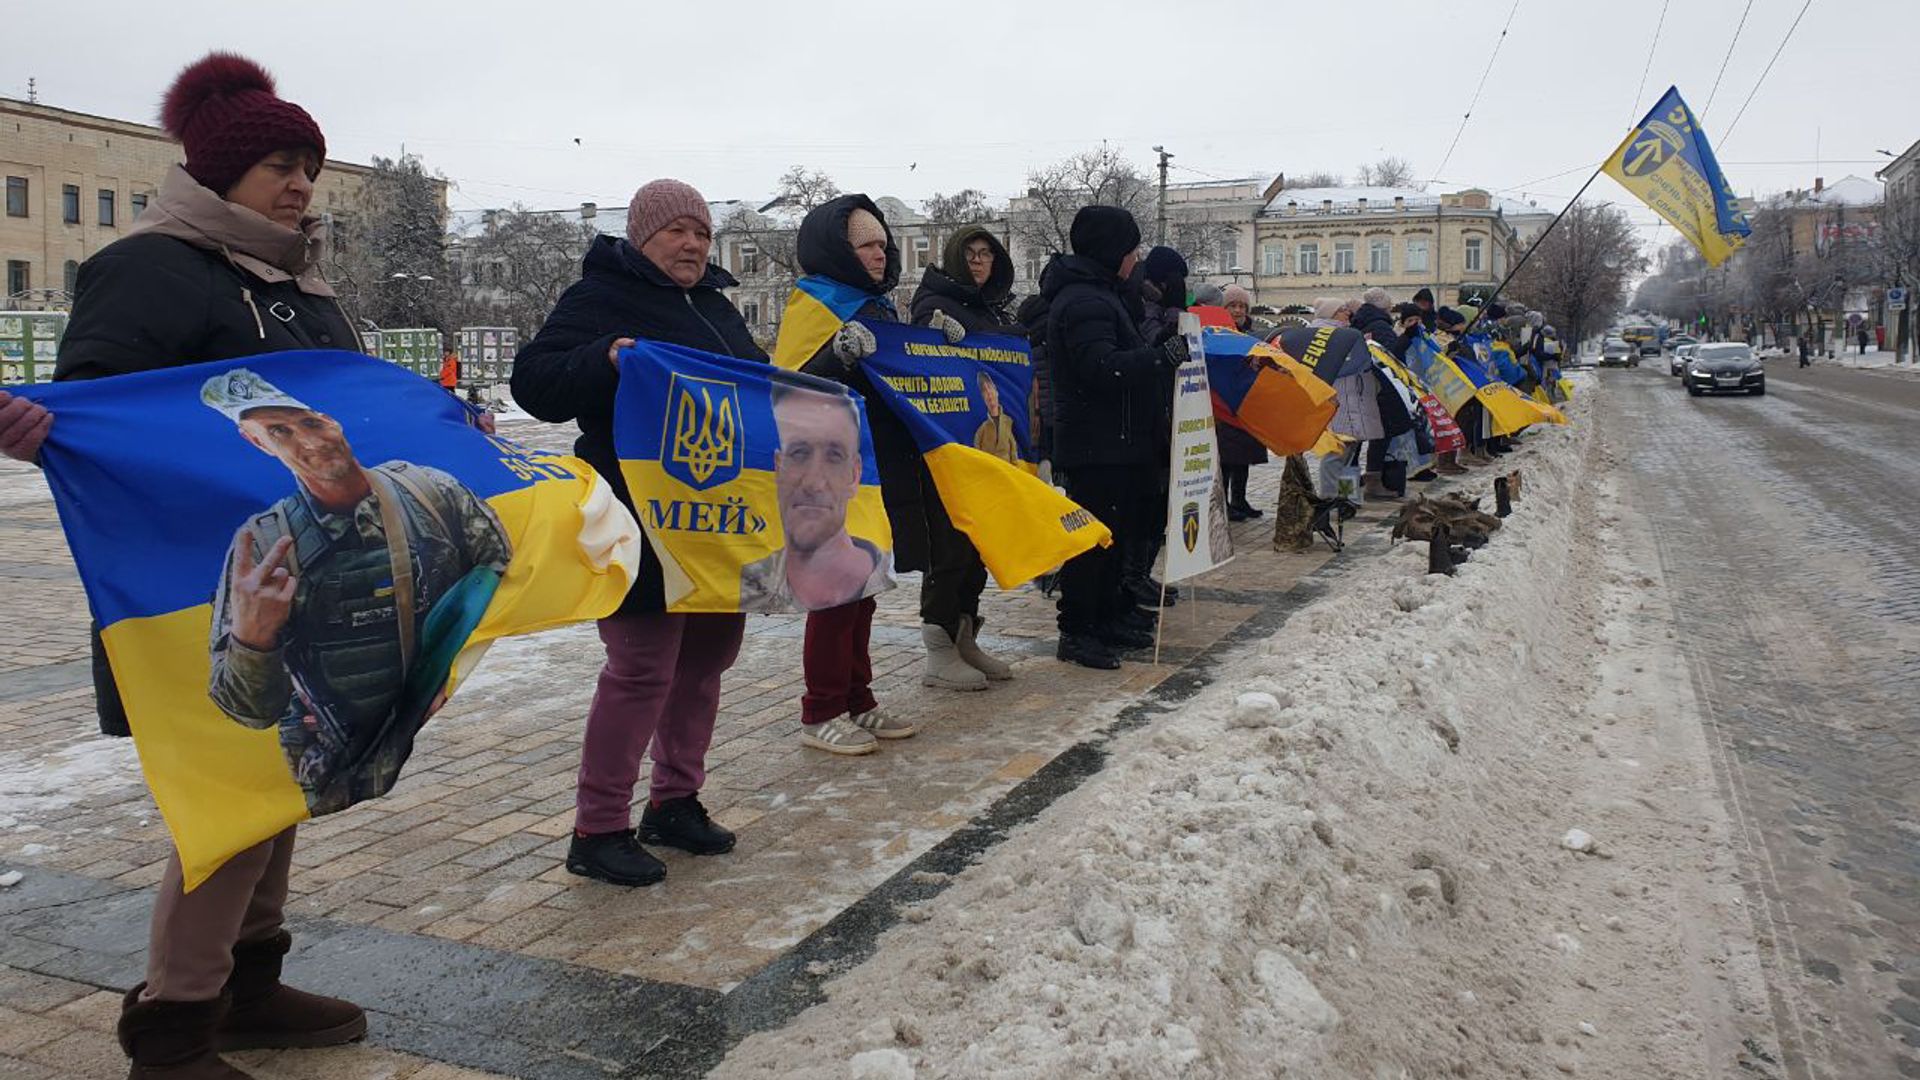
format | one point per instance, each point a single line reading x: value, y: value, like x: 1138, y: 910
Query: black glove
x: 1176, y: 349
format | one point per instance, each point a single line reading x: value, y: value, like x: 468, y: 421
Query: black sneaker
x: 1087, y: 651
x: 614, y: 857
x: 1121, y: 636
x: 1236, y: 513
x: 1425, y: 476
x: 683, y: 823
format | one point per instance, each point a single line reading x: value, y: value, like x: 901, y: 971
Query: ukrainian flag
x: 816, y: 309
x: 154, y: 482
x: 1666, y: 163
x: 1266, y: 393
x: 1021, y: 525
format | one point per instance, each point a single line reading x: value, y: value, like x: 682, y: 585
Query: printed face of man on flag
x: 816, y: 474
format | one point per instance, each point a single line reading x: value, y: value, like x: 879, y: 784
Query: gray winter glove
x: 949, y: 326
x: 854, y: 343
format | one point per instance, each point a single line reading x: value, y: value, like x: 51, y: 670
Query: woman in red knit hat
x: 224, y: 263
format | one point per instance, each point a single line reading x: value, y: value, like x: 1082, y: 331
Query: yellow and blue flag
x: 361, y: 543
x: 757, y: 487
x: 1665, y: 162
x: 966, y: 407
x: 1261, y: 390
x: 816, y: 309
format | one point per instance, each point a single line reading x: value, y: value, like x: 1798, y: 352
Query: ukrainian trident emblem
x: 703, y: 429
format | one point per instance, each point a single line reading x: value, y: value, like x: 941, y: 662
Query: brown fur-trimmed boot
x: 173, y: 1040
x: 270, y: 1015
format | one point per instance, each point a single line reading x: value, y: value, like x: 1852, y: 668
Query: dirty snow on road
x: 1346, y: 858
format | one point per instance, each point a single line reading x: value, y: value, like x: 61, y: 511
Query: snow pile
x: 1328, y: 864
x: 37, y: 787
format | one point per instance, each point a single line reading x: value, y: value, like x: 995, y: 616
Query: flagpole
x: 1533, y: 247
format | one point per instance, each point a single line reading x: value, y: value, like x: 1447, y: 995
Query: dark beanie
x: 1423, y: 294
x: 1104, y: 234
x: 1163, y: 265
x: 1496, y: 312
x: 1446, y: 316
x: 224, y: 111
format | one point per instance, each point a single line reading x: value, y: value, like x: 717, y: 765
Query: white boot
x: 945, y: 668
x: 992, y: 667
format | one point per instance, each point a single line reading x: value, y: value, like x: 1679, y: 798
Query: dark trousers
x: 106, y: 692
x: 1236, y: 479
x: 955, y: 575
x: 1376, y: 455
x: 837, y: 663
x: 1090, y: 594
x: 1469, y: 419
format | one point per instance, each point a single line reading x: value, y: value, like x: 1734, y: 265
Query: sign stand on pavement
x: 1197, y: 537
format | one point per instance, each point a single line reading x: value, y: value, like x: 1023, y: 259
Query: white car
x: 1677, y: 364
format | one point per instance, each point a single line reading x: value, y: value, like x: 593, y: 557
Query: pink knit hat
x: 1237, y: 292
x: 656, y: 205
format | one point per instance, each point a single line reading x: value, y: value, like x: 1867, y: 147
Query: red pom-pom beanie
x: 224, y: 111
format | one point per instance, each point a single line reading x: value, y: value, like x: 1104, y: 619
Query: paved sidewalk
x: 444, y: 908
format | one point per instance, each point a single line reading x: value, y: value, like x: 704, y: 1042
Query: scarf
x: 188, y: 211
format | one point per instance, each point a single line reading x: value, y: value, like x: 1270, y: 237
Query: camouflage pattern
x: 332, y: 682
x: 1293, y: 517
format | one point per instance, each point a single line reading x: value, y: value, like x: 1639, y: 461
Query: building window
x: 922, y: 247
x: 19, y: 277
x: 1273, y: 259
x: 72, y: 282
x: 1229, y: 253
x: 1475, y: 258
x: 16, y: 197
x: 749, y: 259
x: 1379, y: 256
x: 1306, y: 259
x: 70, y: 203
x: 1343, y: 257
x: 1416, y: 256
x: 750, y: 312
x: 106, y: 206
x: 139, y: 202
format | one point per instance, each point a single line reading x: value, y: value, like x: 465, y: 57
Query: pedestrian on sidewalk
x: 1861, y: 337
x: 1102, y: 440
x: 967, y: 293
x: 450, y: 372
x: 1159, y: 286
x: 227, y: 237
x: 847, y: 243
x: 1239, y: 451
x: 660, y: 686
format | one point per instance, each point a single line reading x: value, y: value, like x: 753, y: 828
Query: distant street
x: 1787, y: 528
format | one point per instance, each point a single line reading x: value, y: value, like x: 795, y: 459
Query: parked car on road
x: 1678, y: 364
x: 1725, y: 368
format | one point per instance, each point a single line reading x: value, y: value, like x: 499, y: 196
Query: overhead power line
x: 1651, y: 50
x: 1723, y: 60
x: 1471, y: 105
x: 1767, y: 71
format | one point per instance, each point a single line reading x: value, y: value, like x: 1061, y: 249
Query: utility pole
x: 1160, y: 218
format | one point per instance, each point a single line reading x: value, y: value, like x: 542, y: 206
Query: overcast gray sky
x: 908, y: 99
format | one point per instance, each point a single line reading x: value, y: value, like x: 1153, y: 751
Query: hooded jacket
x: 1099, y: 365
x: 198, y: 278
x: 563, y: 375
x: 1374, y: 323
x: 823, y: 249
x: 949, y: 287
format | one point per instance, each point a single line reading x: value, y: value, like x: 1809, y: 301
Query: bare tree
x: 1387, y: 172
x: 388, y: 255
x: 1313, y: 180
x: 514, y: 272
x: 1579, y: 272
x: 801, y: 191
x: 963, y: 207
x: 1209, y: 245
x: 1055, y: 193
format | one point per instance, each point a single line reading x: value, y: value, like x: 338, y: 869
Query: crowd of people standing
x: 230, y: 237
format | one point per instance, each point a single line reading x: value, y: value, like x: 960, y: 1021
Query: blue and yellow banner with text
x: 1665, y: 162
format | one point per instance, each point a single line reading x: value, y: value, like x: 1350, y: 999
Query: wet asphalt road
x: 1789, y: 530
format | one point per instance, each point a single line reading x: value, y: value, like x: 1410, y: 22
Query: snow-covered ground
x: 1346, y: 858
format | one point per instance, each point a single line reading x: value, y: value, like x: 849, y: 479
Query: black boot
x: 1122, y: 635
x: 1087, y: 651
x: 173, y: 1040
x: 1439, y: 551
x: 614, y: 857
x: 1502, y: 502
x: 683, y: 823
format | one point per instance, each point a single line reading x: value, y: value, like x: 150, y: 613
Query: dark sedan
x: 1724, y: 368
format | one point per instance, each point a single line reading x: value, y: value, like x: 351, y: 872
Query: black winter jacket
x: 1100, y: 365
x: 150, y: 301
x: 949, y: 288
x: 563, y: 373
x: 1376, y: 324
